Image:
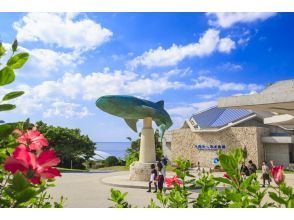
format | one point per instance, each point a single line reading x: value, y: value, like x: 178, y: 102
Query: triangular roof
x: 219, y: 117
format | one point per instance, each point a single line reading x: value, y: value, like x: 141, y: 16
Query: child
x: 160, y: 177
x: 152, y: 178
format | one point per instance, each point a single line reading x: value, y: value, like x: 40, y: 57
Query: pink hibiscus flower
x: 34, y: 139
x: 172, y: 181
x: 32, y: 166
x: 277, y: 173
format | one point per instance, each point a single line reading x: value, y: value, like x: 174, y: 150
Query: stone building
x: 223, y: 129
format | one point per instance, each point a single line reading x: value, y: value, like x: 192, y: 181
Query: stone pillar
x: 147, y: 145
x: 140, y: 170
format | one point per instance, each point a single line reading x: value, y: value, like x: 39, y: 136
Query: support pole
x: 147, y: 144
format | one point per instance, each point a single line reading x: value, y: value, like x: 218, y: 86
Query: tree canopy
x: 69, y: 144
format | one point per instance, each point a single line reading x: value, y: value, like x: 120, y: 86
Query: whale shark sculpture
x: 131, y: 109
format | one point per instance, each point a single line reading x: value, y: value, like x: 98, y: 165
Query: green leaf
x: 229, y: 164
x: 12, y: 95
x: 223, y: 180
x: 2, y: 50
x: 25, y: 195
x: 247, y: 182
x: 18, y: 60
x: 6, y: 76
x: 290, y: 203
x: 6, y: 107
x: 14, y: 45
x: 19, y: 182
x: 276, y: 198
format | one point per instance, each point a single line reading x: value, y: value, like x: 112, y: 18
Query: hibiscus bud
x: 227, y: 176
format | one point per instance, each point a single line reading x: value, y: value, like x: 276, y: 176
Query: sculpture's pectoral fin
x: 132, y: 123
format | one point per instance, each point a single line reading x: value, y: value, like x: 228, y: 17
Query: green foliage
x: 14, y: 46
x: 15, y: 190
x: 238, y: 192
x: 2, y: 50
x: 17, y: 61
x: 132, y: 153
x: 6, y: 107
x: 111, y: 161
x: 7, y: 74
x: 70, y: 145
x: 12, y: 95
x: 119, y: 199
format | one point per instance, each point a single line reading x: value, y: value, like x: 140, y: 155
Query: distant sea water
x: 106, y: 149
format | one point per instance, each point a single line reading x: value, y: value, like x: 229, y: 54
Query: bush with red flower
x: 237, y: 192
x: 32, y: 159
x: 26, y: 160
x: 170, y: 182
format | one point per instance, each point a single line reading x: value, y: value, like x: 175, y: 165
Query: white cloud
x: 232, y: 67
x: 66, y: 110
x: 228, y: 19
x: 207, y: 44
x: 226, y: 45
x: 43, y: 62
x: 203, y: 82
x: 61, y: 29
x: 75, y: 86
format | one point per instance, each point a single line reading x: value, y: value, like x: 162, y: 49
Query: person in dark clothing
x: 153, y: 177
x: 160, y: 177
x: 244, y: 170
x: 252, y: 167
x: 265, y: 174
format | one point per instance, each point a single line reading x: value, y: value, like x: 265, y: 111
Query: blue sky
x: 188, y: 60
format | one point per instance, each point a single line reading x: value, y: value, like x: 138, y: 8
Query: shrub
x: 26, y: 160
x: 111, y: 161
x: 239, y: 192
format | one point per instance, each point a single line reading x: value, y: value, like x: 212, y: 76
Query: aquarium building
x: 262, y: 123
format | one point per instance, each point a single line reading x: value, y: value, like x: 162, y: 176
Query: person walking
x: 265, y: 173
x: 160, y: 177
x: 153, y: 177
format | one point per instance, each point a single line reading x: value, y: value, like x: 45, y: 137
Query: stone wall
x: 184, y: 140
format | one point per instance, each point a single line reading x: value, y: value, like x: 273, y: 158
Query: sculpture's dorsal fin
x: 160, y: 103
x: 132, y: 123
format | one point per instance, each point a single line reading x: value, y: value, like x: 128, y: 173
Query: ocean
x: 106, y: 149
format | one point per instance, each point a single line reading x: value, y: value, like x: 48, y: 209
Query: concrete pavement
x: 86, y: 190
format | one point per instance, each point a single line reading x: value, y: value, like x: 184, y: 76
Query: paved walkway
x: 87, y: 190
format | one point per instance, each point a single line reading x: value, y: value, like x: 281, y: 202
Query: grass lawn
x: 65, y: 170
x: 115, y: 168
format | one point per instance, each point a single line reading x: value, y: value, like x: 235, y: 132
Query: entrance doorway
x: 279, y: 153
